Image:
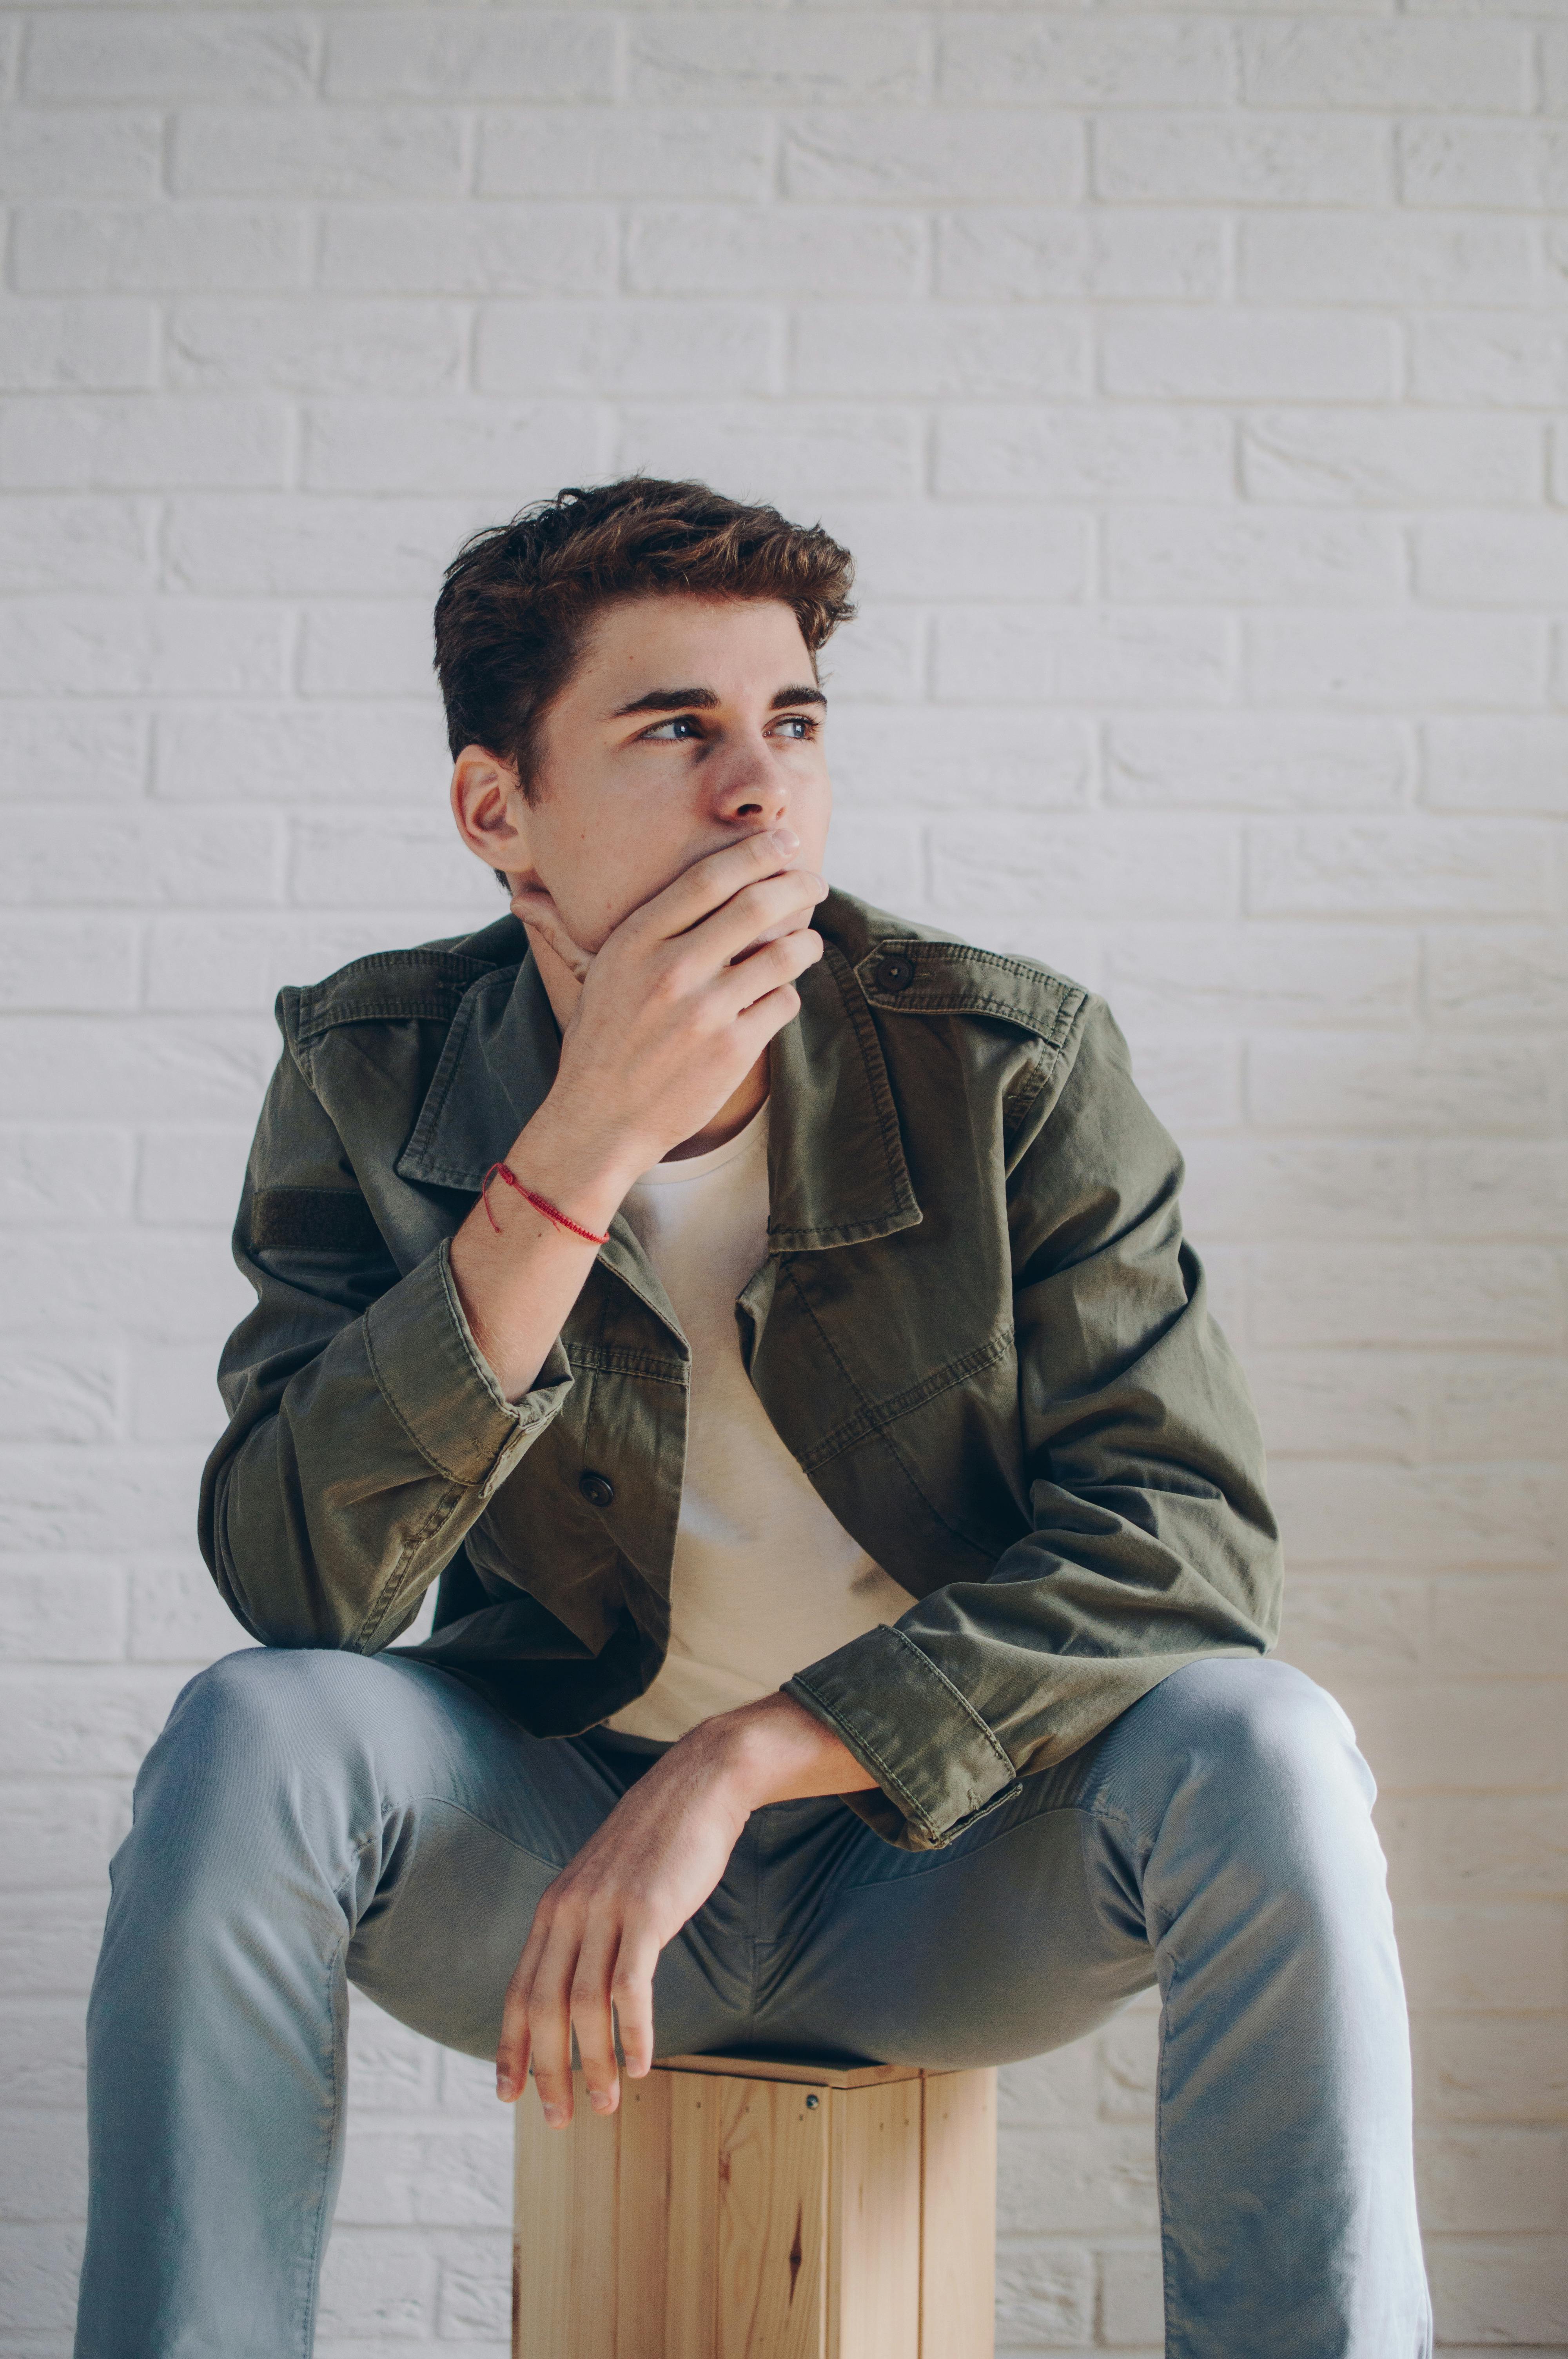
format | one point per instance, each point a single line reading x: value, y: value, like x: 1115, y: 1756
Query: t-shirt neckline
x: 697, y: 1166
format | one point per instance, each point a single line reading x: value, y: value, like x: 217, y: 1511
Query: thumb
x: 533, y: 906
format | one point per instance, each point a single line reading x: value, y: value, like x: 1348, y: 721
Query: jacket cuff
x: 937, y: 1765
x: 441, y: 1389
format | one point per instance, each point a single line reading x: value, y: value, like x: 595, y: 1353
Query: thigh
x: 1021, y: 1935
x: 1043, y: 1918
x: 477, y: 1818
x: 488, y: 1817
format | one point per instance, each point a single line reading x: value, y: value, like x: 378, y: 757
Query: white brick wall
x: 1184, y: 375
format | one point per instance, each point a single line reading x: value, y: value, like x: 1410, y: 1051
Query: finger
x: 536, y: 910
x: 793, y: 924
x: 592, y: 2023
x: 714, y: 879
x: 511, y: 2049
x: 755, y: 1026
x: 750, y: 979
x: 758, y: 913
x: 632, y: 1988
x: 549, y: 2027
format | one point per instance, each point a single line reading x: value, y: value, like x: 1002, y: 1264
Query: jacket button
x: 596, y: 1489
x: 895, y: 974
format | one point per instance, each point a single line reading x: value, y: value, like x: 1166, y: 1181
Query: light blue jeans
x: 308, y: 1820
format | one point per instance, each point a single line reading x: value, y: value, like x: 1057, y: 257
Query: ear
x: 491, y: 812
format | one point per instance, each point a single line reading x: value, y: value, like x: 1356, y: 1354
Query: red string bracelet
x: 554, y: 1211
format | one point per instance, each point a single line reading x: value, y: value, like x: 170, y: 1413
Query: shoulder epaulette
x: 421, y: 985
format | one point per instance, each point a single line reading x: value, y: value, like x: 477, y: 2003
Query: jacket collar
x: 836, y: 1169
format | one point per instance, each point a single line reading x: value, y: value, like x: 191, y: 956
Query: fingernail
x: 600, y: 2100
x: 786, y: 839
x: 503, y: 2089
x: 553, y: 2116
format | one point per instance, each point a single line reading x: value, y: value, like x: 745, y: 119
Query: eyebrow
x: 703, y: 700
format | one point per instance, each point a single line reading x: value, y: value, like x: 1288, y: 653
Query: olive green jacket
x: 977, y: 1328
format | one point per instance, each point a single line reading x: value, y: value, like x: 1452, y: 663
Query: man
x: 770, y: 1321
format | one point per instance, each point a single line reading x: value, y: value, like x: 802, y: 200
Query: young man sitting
x: 770, y: 1321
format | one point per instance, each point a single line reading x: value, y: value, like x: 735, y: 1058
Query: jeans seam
x: 1167, y: 2243
x: 753, y: 2000
x: 362, y: 1844
x: 445, y: 1802
x: 318, y: 2239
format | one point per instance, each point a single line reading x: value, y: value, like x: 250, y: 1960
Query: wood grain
x: 958, y: 2231
x: 808, y: 2212
x: 773, y: 2195
x: 564, y: 2246
x: 691, y: 2298
x: 643, y: 2212
x: 873, y: 2223
x: 543, y: 2238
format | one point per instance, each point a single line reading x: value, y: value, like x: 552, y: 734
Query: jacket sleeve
x: 366, y: 1433
x: 1152, y: 1541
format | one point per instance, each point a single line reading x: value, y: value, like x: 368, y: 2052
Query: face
x: 687, y: 724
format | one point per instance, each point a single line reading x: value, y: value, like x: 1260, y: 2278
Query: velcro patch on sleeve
x: 313, y: 1219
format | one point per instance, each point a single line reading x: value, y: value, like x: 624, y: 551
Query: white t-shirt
x: 765, y: 1578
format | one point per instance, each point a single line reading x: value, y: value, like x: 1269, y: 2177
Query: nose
x: 749, y: 786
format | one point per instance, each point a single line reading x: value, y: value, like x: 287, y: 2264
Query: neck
x: 565, y: 990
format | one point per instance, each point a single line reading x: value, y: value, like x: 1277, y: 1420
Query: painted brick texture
x: 1190, y: 380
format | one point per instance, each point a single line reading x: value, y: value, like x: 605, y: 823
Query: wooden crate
x: 738, y: 2209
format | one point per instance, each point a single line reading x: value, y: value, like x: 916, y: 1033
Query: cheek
x: 594, y: 909
x: 585, y: 884
x: 813, y: 810
x: 598, y: 878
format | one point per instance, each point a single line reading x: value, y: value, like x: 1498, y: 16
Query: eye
x: 799, y: 728
x: 673, y: 732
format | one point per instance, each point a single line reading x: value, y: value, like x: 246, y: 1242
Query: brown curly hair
x: 517, y: 598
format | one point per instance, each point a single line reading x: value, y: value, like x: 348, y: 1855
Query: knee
x: 254, y: 1722
x: 1260, y: 1714
x: 269, y: 1695
x: 1272, y: 1750
x: 249, y: 1799
x: 1269, y: 1822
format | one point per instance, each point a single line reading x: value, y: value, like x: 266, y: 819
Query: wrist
x: 585, y: 1175
x: 773, y: 1751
